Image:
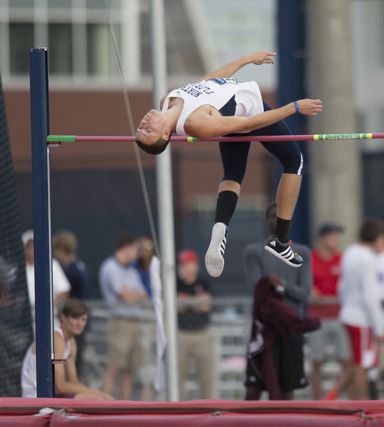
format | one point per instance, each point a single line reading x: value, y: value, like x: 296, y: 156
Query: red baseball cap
x: 188, y: 255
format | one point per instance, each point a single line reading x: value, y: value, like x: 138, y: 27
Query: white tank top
x: 217, y: 92
x: 28, y: 372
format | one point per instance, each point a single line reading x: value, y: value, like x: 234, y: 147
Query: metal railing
x: 229, y: 327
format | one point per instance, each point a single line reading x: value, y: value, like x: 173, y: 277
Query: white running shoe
x: 214, y: 261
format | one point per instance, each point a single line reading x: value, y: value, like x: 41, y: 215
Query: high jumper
x: 218, y: 105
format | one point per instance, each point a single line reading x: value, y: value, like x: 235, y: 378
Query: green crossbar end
x: 61, y: 138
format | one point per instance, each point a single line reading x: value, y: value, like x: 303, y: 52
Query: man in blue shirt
x: 123, y: 290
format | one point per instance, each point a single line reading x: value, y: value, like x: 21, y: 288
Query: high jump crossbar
x: 58, y: 139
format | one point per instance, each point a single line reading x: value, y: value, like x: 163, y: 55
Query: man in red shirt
x: 326, y: 259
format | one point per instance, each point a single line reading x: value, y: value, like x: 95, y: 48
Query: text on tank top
x: 216, y: 92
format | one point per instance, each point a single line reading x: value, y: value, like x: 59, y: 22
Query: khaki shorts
x: 125, y: 350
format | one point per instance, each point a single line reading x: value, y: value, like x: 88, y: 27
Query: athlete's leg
x: 290, y: 157
x: 287, y: 195
x: 229, y: 185
x: 234, y: 157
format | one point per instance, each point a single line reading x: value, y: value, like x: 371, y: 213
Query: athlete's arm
x: 227, y: 70
x: 203, y: 125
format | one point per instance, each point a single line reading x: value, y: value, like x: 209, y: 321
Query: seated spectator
x: 73, y: 316
x: 64, y: 245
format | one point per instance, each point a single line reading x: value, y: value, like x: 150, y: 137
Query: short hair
x: 125, y: 239
x: 74, y: 308
x: 66, y: 241
x: 371, y: 230
x: 156, y: 147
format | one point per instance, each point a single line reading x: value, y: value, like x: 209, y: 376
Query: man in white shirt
x: 61, y: 285
x: 361, y: 311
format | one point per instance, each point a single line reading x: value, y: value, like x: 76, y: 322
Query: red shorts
x: 364, y: 346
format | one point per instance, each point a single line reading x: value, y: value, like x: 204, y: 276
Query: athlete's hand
x: 310, y: 107
x: 261, y: 57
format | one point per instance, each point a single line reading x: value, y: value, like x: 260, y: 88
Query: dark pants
x: 234, y: 155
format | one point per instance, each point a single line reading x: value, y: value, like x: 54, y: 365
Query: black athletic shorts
x: 289, y: 365
x: 234, y: 155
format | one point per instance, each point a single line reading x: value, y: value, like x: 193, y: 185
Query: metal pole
x: 165, y: 203
x: 38, y: 59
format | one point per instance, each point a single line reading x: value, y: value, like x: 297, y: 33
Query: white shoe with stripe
x: 214, y: 260
x: 283, y: 251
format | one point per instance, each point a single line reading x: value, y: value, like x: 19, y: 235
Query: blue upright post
x: 38, y: 60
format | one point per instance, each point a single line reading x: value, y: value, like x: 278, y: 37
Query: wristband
x: 296, y: 106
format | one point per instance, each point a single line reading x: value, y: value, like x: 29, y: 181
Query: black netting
x: 15, y: 312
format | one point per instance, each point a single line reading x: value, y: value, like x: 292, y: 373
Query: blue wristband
x: 296, y: 106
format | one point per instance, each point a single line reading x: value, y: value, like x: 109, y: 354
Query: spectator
x: 148, y: 265
x: 194, y: 306
x: 73, y: 316
x: 287, y: 351
x: 61, y: 285
x: 361, y: 311
x: 146, y: 252
x: 326, y: 260
x: 64, y: 250
x: 8, y: 275
x: 122, y: 289
x: 378, y: 373
x: 271, y: 316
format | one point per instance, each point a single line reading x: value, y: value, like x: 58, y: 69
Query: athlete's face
x: 151, y: 127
